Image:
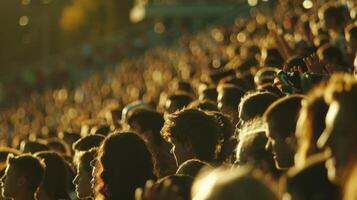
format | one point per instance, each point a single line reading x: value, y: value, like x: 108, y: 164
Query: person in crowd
x: 148, y: 124
x: 83, y: 178
x: 338, y: 138
x: 177, y: 102
x: 280, y: 119
x: 193, y: 134
x: 57, y: 182
x: 116, y: 179
x: 240, y: 183
x: 22, y: 178
x: 228, y: 100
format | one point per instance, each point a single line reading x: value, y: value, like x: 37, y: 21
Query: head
x: 210, y: 94
x: 228, y: 141
x: 265, y: 76
x: 332, y: 57
x: 86, y: 143
x: 56, y: 177
x: 177, y: 102
x: 132, y: 167
x: 23, y: 174
x: 203, y: 105
x: 254, y: 104
x: 148, y: 124
x: 82, y: 181
x: 338, y: 138
x: 33, y: 146
x: 228, y: 99
x: 58, y: 145
x: 193, y: 134
x: 280, y: 119
x: 239, y: 183
x: 251, y: 150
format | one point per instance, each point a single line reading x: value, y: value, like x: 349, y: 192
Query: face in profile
x: 82, y: 181
x: 10, y: 182
x: 282, y: 152
x: 339, y: 140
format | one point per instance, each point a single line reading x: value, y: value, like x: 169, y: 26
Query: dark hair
x: 148, y: 120
x: 124, y: 164
x: 283, y: 114
x: 232, y: 94
x: 56, y: 176
x: 226, y: 132
x: 209, y: 93
x: 101, y: 130
x: 178, y: 101
x: 88, y: 142
x: 203, y: 105
x: 195, y: 127
x: 58, y: 145
x: 32, y: 168
x: 33, y: 146
x: 274, y: 58
x: 251, y: 150
x: 254, y: 104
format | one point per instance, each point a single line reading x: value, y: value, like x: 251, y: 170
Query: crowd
x: 262, y: 109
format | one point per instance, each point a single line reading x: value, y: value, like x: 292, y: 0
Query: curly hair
x: 195, y: 127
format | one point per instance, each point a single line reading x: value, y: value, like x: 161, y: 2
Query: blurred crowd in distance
x: 262, y: 109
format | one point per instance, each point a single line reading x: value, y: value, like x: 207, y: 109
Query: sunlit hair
x: 32, y: 168
x: 194, y: 127
x: 238, y: 183
x: 124, y: 164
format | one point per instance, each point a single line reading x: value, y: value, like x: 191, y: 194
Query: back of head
x: 56, y: 176
x: 58, y: 145
x: 196, y: 128
x: 254, y: 104
x: 203, y: 105
x: 144, y: 120
x: 132, y: 167
x: 33, y: 146
x: 230, y: 95
x: 283, y: 114
x: 239, y: 183
x: 209, y: 94
x: 32, y: 168
x: 88, y: 142
x: 251, y: 150
x: 177, y: 102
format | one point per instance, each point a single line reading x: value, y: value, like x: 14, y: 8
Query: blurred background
x: 51, y: 43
